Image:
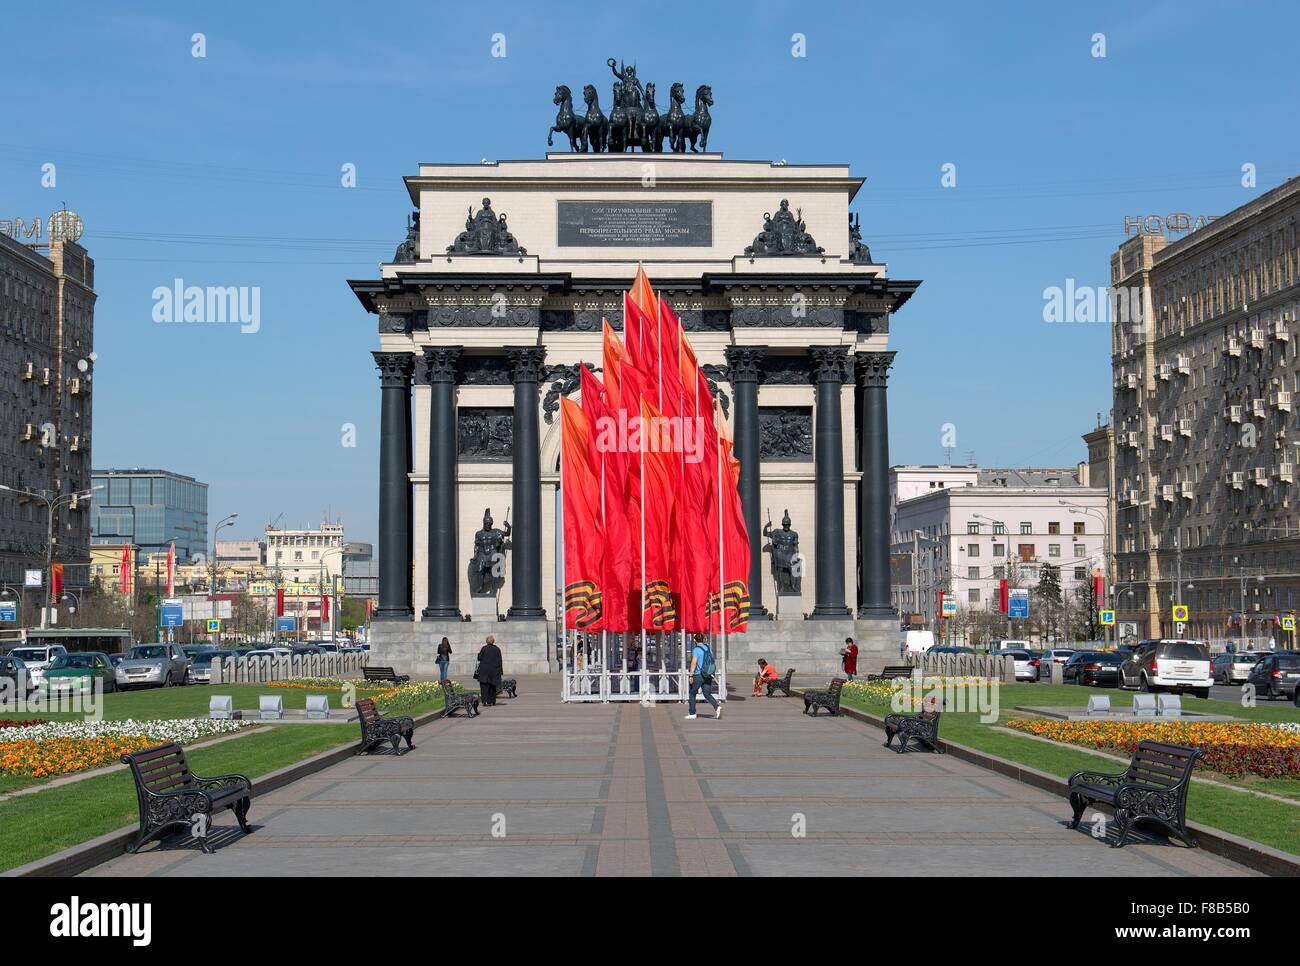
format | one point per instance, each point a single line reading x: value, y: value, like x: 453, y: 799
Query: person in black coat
x: 489, y: 670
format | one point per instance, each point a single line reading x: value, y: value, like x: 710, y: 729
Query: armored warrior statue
x: 489, y: 552
x: 785, y: 556
x: 409, y: 250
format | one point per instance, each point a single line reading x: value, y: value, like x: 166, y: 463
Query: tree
x: 1048, y: 593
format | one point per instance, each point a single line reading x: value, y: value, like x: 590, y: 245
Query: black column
x: 394, y: 485
x: 873, y: 425
x: 829, y: 363
x: 526, y: 534
x: 440, y: 364
x: 743, y: 362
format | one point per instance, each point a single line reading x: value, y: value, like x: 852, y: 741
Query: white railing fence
x: 1001, y: 667
x: 254, y: 670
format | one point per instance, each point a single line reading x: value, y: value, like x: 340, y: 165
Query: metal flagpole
x: 565, y: 686
x: 722, y: 601
x: 645, y: 652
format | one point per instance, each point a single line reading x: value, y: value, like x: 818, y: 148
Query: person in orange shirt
x: 766, y: 672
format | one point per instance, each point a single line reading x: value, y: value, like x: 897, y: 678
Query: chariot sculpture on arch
x: 634, y: 120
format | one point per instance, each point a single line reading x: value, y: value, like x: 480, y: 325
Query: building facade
x: 975, y: 527
x: 478, y: 342
x: 1206, y: 423
x: 150, y: 509
x: 305, y: 556
x: 47, y: 310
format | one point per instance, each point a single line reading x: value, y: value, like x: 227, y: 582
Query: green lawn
x: 1218, y: 804
x: 46, y: 822
x: 192, y: 702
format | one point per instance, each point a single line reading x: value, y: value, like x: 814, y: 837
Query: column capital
x: 745, y: 362
x: 440, y: 362
x: 395, y: 369
x: 873, y: 369
x: 526, y: 362
x: 829, y: 362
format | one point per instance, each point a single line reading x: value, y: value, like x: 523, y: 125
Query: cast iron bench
x: 169, y: 794
x: 891, y: 672
x: 384, y: 674
x: 509, y: 686
x: 1153, y: 789
x: 828, y: 699
x: 922, y: 727
x: 452, y: 700
x: 376, y: 729
x: 781, y: 684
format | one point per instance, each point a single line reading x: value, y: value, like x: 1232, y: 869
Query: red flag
x: 735, y: 540
x: 124, y: 577
x: 609, y: 460
x: 171, y: 569
x: 583, y: 540
x: 279, y: 602
x: 56, y: 582
x: 324, y: 607
x: 658, y: 612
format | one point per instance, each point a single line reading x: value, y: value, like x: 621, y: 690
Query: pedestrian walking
x: 488, y: 673
x: 443, y: 659
x: 850, y: 655
x: 702, y: 667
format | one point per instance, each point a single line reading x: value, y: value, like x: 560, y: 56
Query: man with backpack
x: 702, y: 669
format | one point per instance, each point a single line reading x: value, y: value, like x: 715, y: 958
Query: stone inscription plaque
x: 636, y: 224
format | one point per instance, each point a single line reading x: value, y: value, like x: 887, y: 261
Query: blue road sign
x: 285, y: 624
x: 1018, y: 603
x: 173, y: 614
x: 8, y: 610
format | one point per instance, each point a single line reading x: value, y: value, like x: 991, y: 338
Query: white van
x: 915, y: 642
x: 38, y: 658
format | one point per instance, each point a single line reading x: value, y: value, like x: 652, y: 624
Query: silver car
x: 153, y: 666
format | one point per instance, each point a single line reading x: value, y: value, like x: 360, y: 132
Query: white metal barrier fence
x: 611, y: 666
x: 254, y: 670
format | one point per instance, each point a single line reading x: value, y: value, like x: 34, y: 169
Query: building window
x: 972, y: 527
x: 1079, y: 527
x: 972, y: 549
x: 999, y: 573
x: 1026, y: 551
x: 1080, y: 550
x: 1080, y: 573
x: 1053, y: 549
x: 999, y: 529
x: 972, y: 573
x: 1054, y: 527
x: 999, y: 550
x: 1026, y: 529
x: 973, y: 595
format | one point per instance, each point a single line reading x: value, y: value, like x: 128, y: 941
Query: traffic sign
x: 173, y: 613
x: 285, y: 624
x: 1180, y: 629
x: 8, y: 610
x: 1288, y: 623
x: 1180, y: 613
x: 1018, y: 602
x: 214, y: 625
x: 1107, y: 617
x: 949, y: 608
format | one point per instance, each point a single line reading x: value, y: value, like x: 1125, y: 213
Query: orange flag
x: 583, y: 540
x: 609, y: 460
x: 56, y: 583
x: 658, y: 612
x: 734, y: 567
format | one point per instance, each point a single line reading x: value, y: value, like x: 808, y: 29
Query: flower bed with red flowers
x: 1231, y: 748
x: 6, y: 723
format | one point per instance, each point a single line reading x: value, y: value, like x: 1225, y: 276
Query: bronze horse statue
x: 697, y: 125
x: 675, y: 120
x: 566, y: 122
x: 619, y: 124
x: 596, y: 128
x: 652, y: 132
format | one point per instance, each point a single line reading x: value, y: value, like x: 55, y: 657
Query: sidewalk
x: 618, y: 790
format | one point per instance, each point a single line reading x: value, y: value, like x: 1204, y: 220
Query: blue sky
x: 225, y: 171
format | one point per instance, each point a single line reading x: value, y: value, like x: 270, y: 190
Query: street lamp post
x: 1106, y: 555
x: 228, y: 521
x: 52, y: 506
x: 1006, y: 560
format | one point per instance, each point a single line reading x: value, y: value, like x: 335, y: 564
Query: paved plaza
x: 621, y: 790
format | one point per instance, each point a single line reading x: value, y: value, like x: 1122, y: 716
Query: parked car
x: 13, y: 669
x: 79, y: 671
x: 153, y: 666
x: 270, y: 652
x: 194, y: 650
x: 1230, y: 668
x: 327, y: 647
x: 38, y: 659
x: 1168, y: 665
x: 304, y: 649
x: 1276, y: 675
x: 201, y: 666
x: 913, y: 642
x: 1052, y: 655
x: 950, y: 649
x: 1092, y: 668
x: 1026, y: 670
